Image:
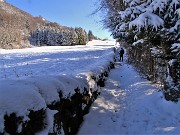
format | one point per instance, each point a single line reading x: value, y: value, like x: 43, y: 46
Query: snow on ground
x: 131, y: 105
x: 31, y: 78
x: 53, y: 60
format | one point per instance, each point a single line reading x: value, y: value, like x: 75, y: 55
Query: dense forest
x: 19, y: 29
x: 150, y: 30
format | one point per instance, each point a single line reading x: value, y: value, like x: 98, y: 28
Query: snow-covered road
x: 130, y: 105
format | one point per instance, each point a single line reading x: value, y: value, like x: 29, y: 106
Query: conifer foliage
x: 91, y: 36
x: 151, y: 30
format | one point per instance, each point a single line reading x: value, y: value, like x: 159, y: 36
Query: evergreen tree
x: 152, y: 30
x: 91, y: 36
x: 82, y: 36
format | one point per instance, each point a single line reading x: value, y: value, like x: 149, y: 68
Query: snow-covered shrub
x: 18, y: 107
x: 54, y: 105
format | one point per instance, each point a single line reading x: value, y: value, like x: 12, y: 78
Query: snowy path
x: 130, y: 105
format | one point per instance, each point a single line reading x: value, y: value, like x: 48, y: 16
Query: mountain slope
x: 19, y: 29
x: 15, y: 26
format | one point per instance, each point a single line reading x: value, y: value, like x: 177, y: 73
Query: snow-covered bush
x: 54, y: 96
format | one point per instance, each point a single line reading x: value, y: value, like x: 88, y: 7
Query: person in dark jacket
x: 121, y: 53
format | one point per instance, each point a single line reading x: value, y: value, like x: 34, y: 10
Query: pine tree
x: 91, y: 35
x: 82, y: 36
x: 152, y: 30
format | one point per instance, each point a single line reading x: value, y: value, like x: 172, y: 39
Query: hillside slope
x: 19, y: 29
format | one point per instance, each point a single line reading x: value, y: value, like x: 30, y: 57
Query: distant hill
x: 19, y: 29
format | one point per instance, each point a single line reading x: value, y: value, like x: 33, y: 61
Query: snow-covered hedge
x: 51, y: 102
x: 52, y: 95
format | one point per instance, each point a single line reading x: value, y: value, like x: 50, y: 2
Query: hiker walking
x: 121, y: 53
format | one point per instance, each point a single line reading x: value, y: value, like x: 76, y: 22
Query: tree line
x: 19, y: 29
x: 151, y: 31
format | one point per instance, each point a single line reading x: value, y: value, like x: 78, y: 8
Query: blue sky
x: 72, y: 13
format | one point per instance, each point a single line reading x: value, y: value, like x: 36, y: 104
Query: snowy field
x: 31, y: 78
x: 54, y: 60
